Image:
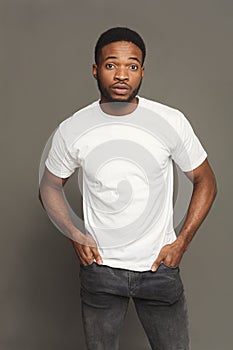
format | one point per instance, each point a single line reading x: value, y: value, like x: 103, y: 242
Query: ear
x: 94, y: 70
x: 143, y: 71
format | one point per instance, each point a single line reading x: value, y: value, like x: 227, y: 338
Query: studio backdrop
x: 46, y: 75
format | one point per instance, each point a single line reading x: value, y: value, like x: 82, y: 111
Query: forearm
x: 54, y: 204
x: 52, y: 197
x: 203, y: 195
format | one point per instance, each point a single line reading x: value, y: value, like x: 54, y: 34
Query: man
x: 125, y: 145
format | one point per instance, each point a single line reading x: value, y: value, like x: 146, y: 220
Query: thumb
x: 97, y: 256
x: 157, y: 262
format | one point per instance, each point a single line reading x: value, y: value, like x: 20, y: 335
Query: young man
x: 125, y: 144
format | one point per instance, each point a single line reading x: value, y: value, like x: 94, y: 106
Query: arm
x: 52, y: 199
x: 204, y: 192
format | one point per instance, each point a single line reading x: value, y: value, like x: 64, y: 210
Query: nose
x: 121, y: 73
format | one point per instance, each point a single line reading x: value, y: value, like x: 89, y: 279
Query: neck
x: 118, y: 108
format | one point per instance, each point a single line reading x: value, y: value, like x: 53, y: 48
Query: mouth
x: 120, y: 89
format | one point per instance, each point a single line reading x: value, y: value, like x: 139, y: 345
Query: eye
x: 109, y: 66
x: 133, y: 67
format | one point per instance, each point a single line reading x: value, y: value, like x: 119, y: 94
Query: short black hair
x: 119, y: 34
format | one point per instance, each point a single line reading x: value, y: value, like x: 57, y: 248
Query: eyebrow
x: 130, y: 58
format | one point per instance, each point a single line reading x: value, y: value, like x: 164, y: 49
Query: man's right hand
x: 86, y: 249
x: 52, y: 199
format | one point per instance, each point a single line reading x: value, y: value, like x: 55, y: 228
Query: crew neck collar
x: 119, y: 117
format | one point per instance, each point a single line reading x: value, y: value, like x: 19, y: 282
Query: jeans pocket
x: 170, y: 283
x: 85, y: 268
x: 170, y: 267
x: 88, y: 265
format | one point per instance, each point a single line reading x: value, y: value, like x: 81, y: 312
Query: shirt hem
x: 141, y: 268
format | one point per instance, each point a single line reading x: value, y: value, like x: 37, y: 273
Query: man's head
x: 119, y: 57
x: 119, y: 34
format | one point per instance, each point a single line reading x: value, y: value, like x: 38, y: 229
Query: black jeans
x: 158, y: 298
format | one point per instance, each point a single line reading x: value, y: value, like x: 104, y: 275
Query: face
x: 119, y: 72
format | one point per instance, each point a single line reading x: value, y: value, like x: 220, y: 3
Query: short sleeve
x: 188, y: 152
x: 60, y: 162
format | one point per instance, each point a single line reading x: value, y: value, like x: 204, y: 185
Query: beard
x: 104, y: 92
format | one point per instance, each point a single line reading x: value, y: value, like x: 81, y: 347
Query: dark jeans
x: 158, y: 298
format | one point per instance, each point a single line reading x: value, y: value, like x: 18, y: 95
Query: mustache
x: 120, y: 84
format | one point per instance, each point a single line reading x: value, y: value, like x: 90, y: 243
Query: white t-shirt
x: 127, y: 172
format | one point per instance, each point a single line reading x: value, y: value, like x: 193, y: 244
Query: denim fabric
x: 158, y: 298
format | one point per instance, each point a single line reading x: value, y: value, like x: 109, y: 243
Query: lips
x: 120, y: 89
x: 120, y: 86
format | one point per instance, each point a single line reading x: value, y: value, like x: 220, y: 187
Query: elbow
x: 208, y: 185
x: 215, y: 188
x: 40, y: 199
x: 211, y: 186
x: 39, y: 196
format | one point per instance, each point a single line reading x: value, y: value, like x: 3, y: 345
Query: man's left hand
x: 170, y: 254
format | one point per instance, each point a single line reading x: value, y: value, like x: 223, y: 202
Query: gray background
x: 46, y: 56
